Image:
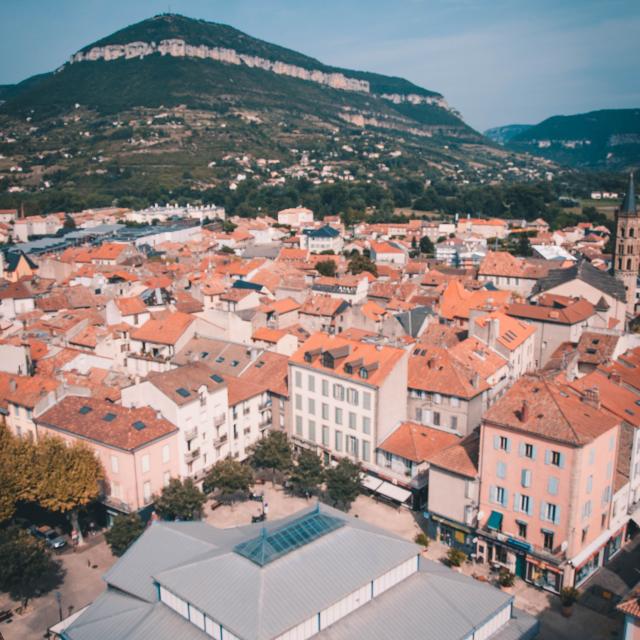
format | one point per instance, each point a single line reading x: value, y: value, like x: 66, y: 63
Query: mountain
x: 607, y: 139
x: 504, y: 134
x: 173, y: 103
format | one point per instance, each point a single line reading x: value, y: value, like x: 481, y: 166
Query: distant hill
x: 504, y: 134
x: 607, y: 139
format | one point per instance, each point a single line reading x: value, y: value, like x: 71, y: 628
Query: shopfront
x: 451, y: 533
x: 543, y: 575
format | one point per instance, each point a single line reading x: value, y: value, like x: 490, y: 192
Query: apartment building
x: 195, y: 400
x: 325, y: 238
x: 138, y: 448
x: 347, y: 396
x: 547, y: 463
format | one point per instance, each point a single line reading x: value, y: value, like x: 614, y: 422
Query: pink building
x: 138, y: 449
x: 547, y: 468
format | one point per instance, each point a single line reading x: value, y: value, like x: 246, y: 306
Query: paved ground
x: 82, y: 584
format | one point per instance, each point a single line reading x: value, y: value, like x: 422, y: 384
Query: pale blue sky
x: 499, y: 62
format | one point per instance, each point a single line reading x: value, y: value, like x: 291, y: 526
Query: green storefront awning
x: 495, y: 521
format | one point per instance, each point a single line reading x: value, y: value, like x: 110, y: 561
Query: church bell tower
x: 626, y: 253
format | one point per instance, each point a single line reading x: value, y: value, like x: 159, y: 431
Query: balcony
x: 218, y: 421
x: 265, y: 423
x: 190, y: 456
x: 265, y: 405
x: 191, y: 434
x: 218, y: 442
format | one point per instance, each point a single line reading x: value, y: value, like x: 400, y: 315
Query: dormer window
x: 364, y: 374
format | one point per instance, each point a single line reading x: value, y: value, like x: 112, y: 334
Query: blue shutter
x: 516, y: 502
x: 501, y: 469
x: 552, y: 486
x: 492, y: 494
x: 525, y: 478
x: 521, y: 449
x: 534, y: 451
x: 557, y: 519
x: 506, y: 498
x: 530, y: 511
x: 543, y: 510
x: 508, y: 445
x: 547, y: 456
x: 496, y: 442
x: 561, y: 462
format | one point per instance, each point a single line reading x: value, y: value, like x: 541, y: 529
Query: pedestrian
x: 265, y: 508
x: 89, y: 563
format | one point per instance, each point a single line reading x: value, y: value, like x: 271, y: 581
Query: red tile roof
x: 416, y: 442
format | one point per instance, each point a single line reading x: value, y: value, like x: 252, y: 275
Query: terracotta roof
x: 270, y: 370
x: 379, y: 362
x: 108, y: 251
x: 461, y: 457
x: 241, y: 389
x: 268, y: 335
x: 631, y: 604
x: 105, y: 422
x: 596, y: 348
x: 416, y: 442
x: 183, y: 383
x: 576, y: 310
x: 167, y: 329
x: 550, y: 410
x: 511, y: 332
x: 130, y: 306
x: 322, y: 305
x: 28, y: 391
x: 435, y: 370
x: 478, y: 357
x: 457, y: 302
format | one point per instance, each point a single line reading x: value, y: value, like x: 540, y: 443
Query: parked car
x: 52, y: 539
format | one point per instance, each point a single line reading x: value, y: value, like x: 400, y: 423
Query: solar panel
x: 270, y: 546
x: 183, y: 392
x: 85, y: 409
x: 109, y: 417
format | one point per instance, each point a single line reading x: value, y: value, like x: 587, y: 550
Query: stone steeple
x: 626, y: 256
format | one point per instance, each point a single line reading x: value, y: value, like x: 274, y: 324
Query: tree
x: 125, y: 530
x: 359, y: 263
x: 17, y: 472
x: 228, y: 226
x: 327, y: 268
x: 343, y: 483
x: 69, y: 223
x: 229, y: 477
x: 26, y: 567
x: 69, y: 477
x: 180, y: 500
x: 272, y: 452
x: 308, y: 474
x: 524, y: 246
x: 456, y: 557
x: 426, y: 246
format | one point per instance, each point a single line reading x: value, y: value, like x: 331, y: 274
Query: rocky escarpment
x: 178, y: 48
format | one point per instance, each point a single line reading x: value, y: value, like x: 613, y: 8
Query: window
x: 585, y: 531
x: 418, y: 415
x: 146, y: 491
x: 325, y: 435
x: 547, y: 539
x: 325, y: 411
x: 555, y: 458
x: 592, y: 455
x: 366, y: 451
x: 603, y: 521
x: 298, y: 425
x: 352, y: 397
x: 312, y: 430
x: 550, y: 512
x: 145, y: 463
x: 589, y: 484
x: 501, y: 496
x: 311, y: 383
x: 312, y: 406
x: 468, y: 489
x: 501, y: 470
x: 115, y: 490
x: 366, y: 425
x: 366, y: 400
x: 525, y: 478
x: 352, y: 446
x: 114, y: 464
x: 338, y: 415
x: 436, y: 418
x: 552, y: 486
x: 298, y: 378
x: 325, y: 388
x: 606, y: 495
x: 525, y: 504
x: 529, y: 451
x: 437, y: 398
x: 455, y: 401
x: 338, y: 392
x: 502, y: 442
x: 338, y: 440
x: 352, y: 420
x: 522, y: 529
x: 166, y: 452
x: 586, y: 509
x: 166, y: 476
x: 454, y: 423
x: 298, y: 402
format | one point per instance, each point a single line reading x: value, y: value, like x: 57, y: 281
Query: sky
x: 498, y: 62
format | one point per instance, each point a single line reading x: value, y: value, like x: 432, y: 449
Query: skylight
x: 109, y: 417
x: 85, y: 409
x: 183, y: 392
x: 216, y: 378
x: 138, y: 425
x: 270, y: 546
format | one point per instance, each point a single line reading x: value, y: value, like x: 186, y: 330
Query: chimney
x: 158, y: 415
x: 591, y: 397
x: 614, y: 376
x: 430, y: 363
x: 12, y: 385
x: 475, y: 381
x: 524, y: 412
x: 493, y: 327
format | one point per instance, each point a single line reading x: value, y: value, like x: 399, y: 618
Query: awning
x: 451, y: 523
x: 392, y: 491
x: 371, y: 482
x: 519, y: 544
x: 590, y: 550
x: 495, y: 521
